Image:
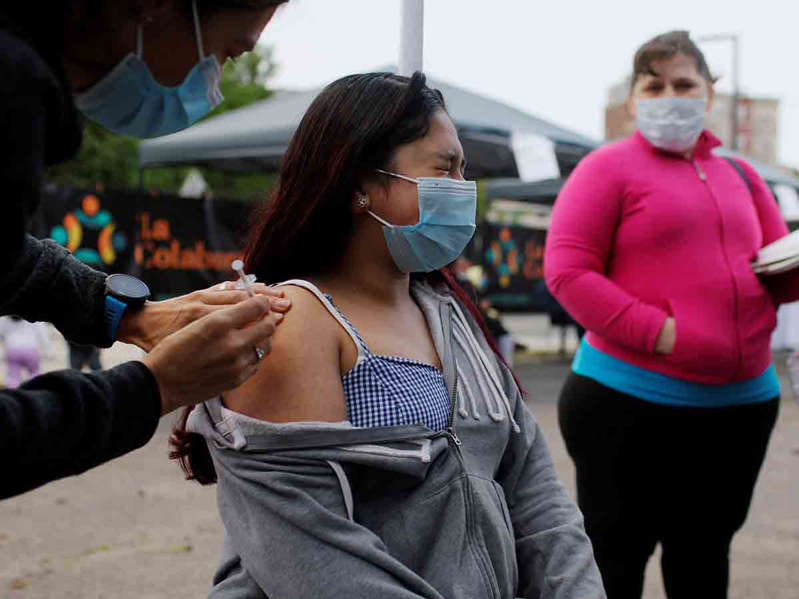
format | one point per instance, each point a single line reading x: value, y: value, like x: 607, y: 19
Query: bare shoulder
x: 300, y: 379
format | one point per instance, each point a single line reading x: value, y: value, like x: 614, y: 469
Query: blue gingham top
x: 391, y: 390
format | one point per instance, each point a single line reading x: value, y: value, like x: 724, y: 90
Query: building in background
x: 757, y: 122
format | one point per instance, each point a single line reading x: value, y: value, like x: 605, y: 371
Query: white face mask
x: 672, y: 124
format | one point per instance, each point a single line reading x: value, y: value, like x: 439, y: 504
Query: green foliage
x: 223, y: 184
x: 244, y: 80
x: 105, y: 158
x: 111, y: 161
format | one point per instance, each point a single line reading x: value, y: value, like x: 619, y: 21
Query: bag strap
x: 741, y: 172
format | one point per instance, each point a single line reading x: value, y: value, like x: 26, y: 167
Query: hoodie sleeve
x: 289, y: 535
x: 580, y: 239
x: 554, y: 554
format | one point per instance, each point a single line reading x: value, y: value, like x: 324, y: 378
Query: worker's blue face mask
x: 130, y: 101
x: 447, y: 211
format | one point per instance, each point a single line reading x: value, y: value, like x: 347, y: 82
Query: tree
x: 244, y: 80
x: 105, y: 158
x: 111, y: 160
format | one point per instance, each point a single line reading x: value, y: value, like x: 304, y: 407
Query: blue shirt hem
x: 660, y: 388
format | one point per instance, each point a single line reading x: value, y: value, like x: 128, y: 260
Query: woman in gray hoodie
x: 384, y: 450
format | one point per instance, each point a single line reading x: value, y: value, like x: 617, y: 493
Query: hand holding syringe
x: 232, y: 332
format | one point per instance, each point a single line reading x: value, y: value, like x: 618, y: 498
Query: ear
x: 360, y: 202
x: 631, y: 105
x: 711, y: 95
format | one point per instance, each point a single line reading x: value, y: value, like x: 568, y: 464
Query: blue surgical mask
x: 447, y: 211
x: 672, y: 124
x: 128, y: 100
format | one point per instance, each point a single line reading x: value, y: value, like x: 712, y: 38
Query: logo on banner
x: 90, y: 233
x: 507, y: 261
x: 158, y: 248
x: 503, y: 256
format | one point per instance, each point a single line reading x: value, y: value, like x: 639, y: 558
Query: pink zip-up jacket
x: 639, y: 234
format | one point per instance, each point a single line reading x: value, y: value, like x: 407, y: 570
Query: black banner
x: 175, y: 245
x: 513, y: 266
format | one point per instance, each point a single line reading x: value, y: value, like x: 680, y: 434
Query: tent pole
x: 411, y: 36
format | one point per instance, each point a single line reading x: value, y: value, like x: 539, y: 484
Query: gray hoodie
x: 327, y: 510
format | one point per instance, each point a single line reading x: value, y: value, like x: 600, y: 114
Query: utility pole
x: 411, y: 37
x: 736, y: 90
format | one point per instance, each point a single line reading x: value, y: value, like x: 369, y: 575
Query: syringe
x: 238, y: 266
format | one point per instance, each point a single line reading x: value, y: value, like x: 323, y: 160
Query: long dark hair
x: 353, y: 127
x: 350, y: 129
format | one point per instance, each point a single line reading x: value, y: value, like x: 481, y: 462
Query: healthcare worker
x: 142, y: 68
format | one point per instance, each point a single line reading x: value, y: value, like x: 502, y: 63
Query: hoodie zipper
x: 445, y: 313
x: 700, y: 173
x: 453, y: 404
x: 478, y: 549
x: 739, y: 354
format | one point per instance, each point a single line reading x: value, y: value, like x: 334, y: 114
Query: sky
x: 553, y: 59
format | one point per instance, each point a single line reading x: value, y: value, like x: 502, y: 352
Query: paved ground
x: 133, y: 529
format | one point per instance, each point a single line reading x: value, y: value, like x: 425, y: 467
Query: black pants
x: 649, y: 473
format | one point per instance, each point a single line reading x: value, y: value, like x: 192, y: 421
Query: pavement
x: 134, y: 529
x: 534, y: 333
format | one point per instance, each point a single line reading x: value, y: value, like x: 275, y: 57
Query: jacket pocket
x: 431, y: 534
x: 707, y: 347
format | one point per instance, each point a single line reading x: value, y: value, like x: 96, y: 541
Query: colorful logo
x: 90, y: 226
x: 503, y: 256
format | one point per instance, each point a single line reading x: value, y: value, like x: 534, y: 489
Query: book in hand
x: 779, y: 256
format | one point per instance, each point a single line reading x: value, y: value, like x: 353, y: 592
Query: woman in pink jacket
x: 672, y: 397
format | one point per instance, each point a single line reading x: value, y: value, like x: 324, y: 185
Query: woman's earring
x: 362, y: 201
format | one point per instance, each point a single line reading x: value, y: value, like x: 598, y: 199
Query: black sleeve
x: 39, y: 280
x: 66, y: 422
x: 61, y: 423
x: 43, y: 281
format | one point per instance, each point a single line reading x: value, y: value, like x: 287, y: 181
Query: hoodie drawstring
x: 477, y: 357
x: 471, y: 396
